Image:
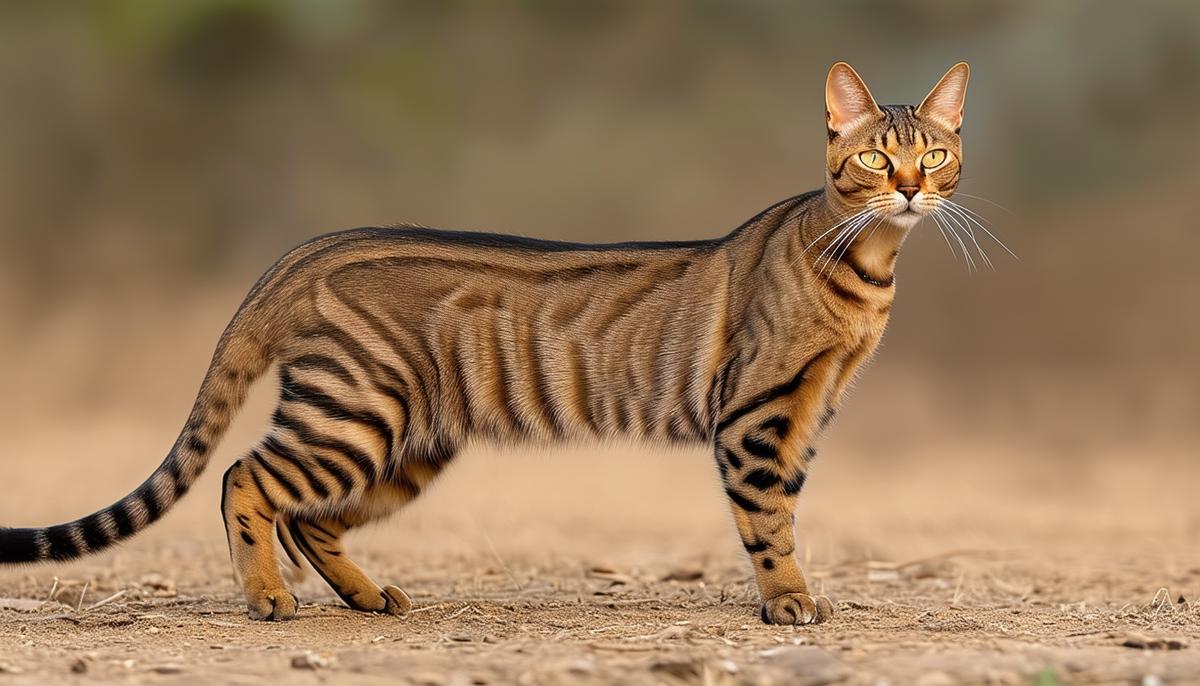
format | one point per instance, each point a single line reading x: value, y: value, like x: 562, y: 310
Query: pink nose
x: 908, y: 191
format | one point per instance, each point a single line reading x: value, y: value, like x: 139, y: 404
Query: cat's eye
x: 873, y: 159
x: 933, y: 159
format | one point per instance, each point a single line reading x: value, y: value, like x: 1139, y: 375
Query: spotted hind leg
x: 249, y: 514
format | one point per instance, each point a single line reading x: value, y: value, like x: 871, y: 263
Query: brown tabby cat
x: 396, y: 346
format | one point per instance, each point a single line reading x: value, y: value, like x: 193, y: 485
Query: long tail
x: 239, y: 360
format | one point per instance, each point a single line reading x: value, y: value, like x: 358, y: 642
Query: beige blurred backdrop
x: 156, y: 157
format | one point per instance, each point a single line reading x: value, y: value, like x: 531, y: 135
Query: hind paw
x: 273, y: 605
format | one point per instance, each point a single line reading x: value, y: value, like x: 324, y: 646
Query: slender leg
x: 319, y: 540
x: 763, y: 451
x: 249, y: 512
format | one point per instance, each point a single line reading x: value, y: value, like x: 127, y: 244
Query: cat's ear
x: 848, y: 103
x: 945, y: 102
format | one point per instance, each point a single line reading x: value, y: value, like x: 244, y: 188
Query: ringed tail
x: 239, y: 360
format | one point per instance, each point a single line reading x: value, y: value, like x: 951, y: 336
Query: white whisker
x: 958, y: 218
x: 963, y: 246
x: 977, y: 219
x: 983, y: 199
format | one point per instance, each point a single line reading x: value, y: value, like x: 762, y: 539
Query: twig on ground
x: 116, y: 596
x: 82, y: 595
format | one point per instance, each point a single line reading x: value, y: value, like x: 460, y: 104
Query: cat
x: 396, y: 346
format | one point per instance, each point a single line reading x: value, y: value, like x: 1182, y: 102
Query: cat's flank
x: 397, y: 346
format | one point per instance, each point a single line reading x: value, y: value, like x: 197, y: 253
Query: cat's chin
x: 906, y: 219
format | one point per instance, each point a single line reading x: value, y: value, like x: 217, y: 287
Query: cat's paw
x: 273, y: 605
x: 797, y: 608
x: 389, y: 600
x: 398, y: 602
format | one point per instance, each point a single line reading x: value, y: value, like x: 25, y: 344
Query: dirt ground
x: 948, y: 563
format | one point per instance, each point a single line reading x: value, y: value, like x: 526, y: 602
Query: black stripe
x: 767, y: 396
x: 330, y: 537
x: 197, y: 445
x: 756, y: 547
x: 120, y: 515
x: 149, y: 499
x: 582, y: 394
x: 390, y: 337
x: 277, y: 447
x: 464, y: 390
x: 741, y: 501
x: 247, y: 538
x: 309, y: 552
x: 350, y: 345
x: 315, y: 440
x: 794, y: 484
x: 837, y: 174
x: 288, y: 549
x: 732, y: 458
x: 762, y: 479
x: 93, y: 532
x: 759, y: 448
x: 278, y: 476
x: 62, y: 544
x: 830, y: 413
x: 780, y: 425
x: 335, y: 470
x: 258, y: 484
x: 539, y: 389
x: 294, y: 391
x: 322, y: 363
x: 504, y: 377
x: 175, y: 471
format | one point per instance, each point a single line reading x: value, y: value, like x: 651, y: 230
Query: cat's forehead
x: 896, y: 128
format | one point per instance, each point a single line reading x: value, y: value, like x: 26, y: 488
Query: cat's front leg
x: 763, y: 498
x: 763, y: 449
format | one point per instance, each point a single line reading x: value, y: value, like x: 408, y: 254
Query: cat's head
x: 899, y: 160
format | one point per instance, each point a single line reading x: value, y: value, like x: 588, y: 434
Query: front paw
x: 797, y: 608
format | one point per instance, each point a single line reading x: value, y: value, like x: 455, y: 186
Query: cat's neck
x: 830, y: 233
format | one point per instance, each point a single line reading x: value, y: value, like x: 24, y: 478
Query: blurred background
x: 156, y: 157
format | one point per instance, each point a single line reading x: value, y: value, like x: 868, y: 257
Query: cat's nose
x: 908, y: 191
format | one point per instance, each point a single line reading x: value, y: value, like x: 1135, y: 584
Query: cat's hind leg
x: 319, y: 539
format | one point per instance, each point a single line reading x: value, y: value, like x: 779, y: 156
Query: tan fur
x: 398, y: 346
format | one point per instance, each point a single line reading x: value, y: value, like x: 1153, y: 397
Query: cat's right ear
x: 848, y: 103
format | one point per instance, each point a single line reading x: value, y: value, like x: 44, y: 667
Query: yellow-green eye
x: 933, y: 159
x: 873, y: 159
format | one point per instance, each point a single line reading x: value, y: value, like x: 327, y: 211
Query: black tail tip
x: 19, y: 545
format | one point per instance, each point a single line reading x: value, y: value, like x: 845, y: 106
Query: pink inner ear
x: 945, y: 101
x: 847, y: 99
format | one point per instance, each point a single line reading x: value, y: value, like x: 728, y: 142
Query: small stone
x: 310, y: 660
x: 428, y: 679
x: 79, y: 666
x: 684, y: 574
x: 1144, y: 642
x: 801, y: 666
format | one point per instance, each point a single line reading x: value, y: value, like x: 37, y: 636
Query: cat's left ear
x: 945, y: 102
